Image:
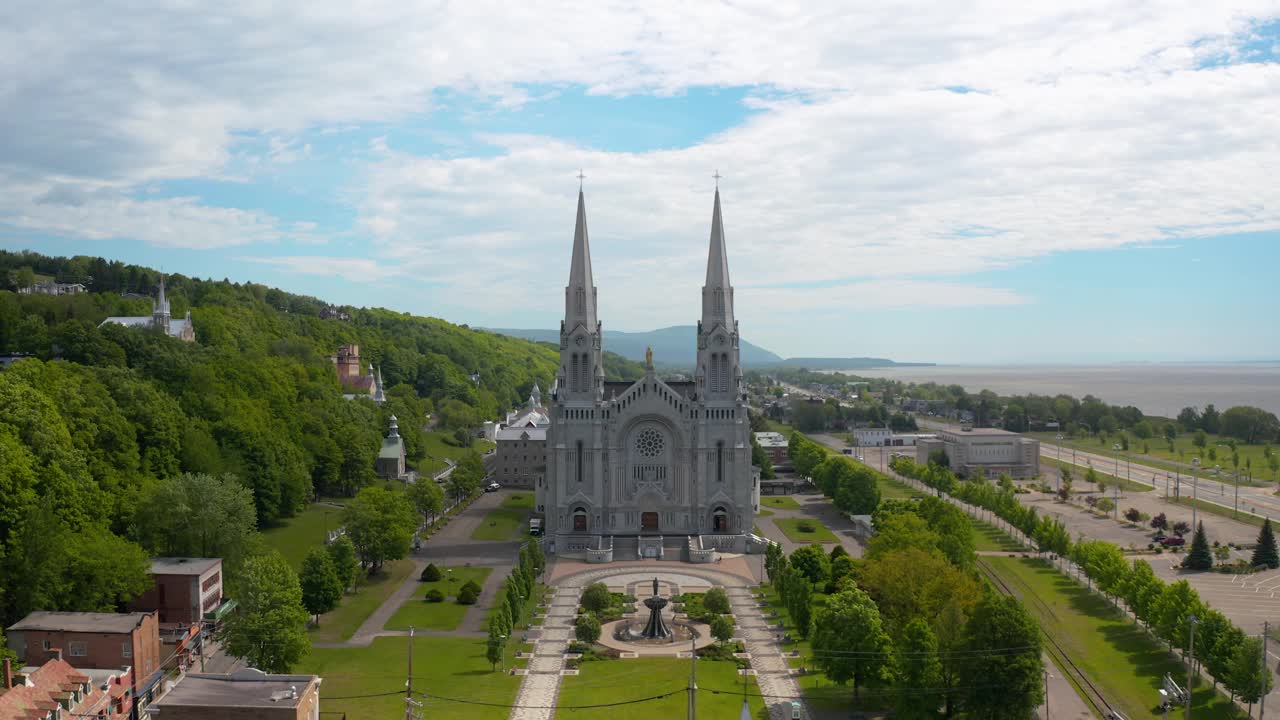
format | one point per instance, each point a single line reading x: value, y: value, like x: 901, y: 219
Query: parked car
x: 492, y: 487
x: 1174, y: 541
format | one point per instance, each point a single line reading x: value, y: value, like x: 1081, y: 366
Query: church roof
x: 518, y: 433
x: 392, y: 448
x: 618, y: 387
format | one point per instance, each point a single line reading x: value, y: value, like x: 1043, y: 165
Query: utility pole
x: 1262, y: 702
x: 1046, y: 693
x: 1191, y: 650
x: 408, y: 682
x: 693, y: 679
x: 1195, y: 490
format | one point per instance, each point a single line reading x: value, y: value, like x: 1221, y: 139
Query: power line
x: 485, y: 703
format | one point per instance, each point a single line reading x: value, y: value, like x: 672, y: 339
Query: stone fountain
x: 656, y: 628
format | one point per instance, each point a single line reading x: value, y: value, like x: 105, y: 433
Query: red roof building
x: 56, y: 688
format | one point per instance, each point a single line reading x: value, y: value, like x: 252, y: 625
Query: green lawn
x: 990, y: 537
x: 419, y: 613
x: 338, y: 624
x: 791, y: 528
x: 1078, y: 475
x: 442, y: 666
x: 764, y: 513
x: 295, y: 537
x: 501, y: 524
x: 1180, y: 458
x: 610, y: 681
x: 439, y: 445
x: 891, y: 489
x: 781, y: 502
x: 519, y: 501
x: 1119, y: 656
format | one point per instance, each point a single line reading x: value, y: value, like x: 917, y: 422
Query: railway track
x: 1077, y: 677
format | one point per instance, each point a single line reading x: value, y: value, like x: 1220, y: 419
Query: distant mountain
x: 677, y: 347
x: 672, y: 346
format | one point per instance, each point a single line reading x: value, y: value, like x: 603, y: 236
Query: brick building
x: 55, y: 689
x: 94, y: 640
x: 246, y: 694
x: 775, y: 447
x: 185, y: 590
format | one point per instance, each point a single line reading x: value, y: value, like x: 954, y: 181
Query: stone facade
x: 521, y: 457
x: 992, y: 450
x: 650, y: 457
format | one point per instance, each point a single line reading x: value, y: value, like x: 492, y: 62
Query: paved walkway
x: 536, y: 698
x: 452, y: 545
x: 777, y: 685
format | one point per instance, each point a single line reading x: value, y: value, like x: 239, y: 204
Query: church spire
x: 160, y: 309
x: 717, y: 293
x: 580, y: 294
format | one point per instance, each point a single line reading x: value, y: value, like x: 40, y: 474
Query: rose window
x: 650, y: 443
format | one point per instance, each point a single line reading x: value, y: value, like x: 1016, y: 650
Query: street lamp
x: 1059, y: 438
x: 502, y: 664
x: 1195, y: 495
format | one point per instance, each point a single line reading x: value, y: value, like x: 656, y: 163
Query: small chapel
x: 649, y: 468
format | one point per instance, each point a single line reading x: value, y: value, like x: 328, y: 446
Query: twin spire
x: 580, y: 294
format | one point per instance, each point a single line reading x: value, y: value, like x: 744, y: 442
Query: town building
x: 354, y: 382
x: 390, y: 463
x: 55, y: 690
x: 333, y: 312
x: 775, y: 446
x: 992, y: 450
x: 94, y: 640
x: 159, y: 320
x: 648, y: 467
x: 246, y: 694
x: 521, y: 454
x: 53, y: 287
x: 184, y: 590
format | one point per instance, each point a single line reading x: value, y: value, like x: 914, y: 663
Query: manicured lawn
x: 442, y: 666
x: 610, y: 681
x: 989, y: 537
x: 519, y: 501
x: 295, y: 537
x: 501, y: 524
x: 891, y: 489
x: 791, y: 528
x: 1078, y: 475
x: 439, y: 445
x: 338, y: 624
x: 1119, y: 656
x: 782, y: 502
x: 764, y: 513
x: 420, y: 614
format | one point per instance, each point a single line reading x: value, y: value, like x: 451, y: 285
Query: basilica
x: 649, y: 468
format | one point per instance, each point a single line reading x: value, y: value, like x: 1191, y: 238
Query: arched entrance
x: 649, y: 522
x: 579, y: 519
x: 719, y: 519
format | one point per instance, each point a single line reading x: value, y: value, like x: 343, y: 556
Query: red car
x: 1174, y: 541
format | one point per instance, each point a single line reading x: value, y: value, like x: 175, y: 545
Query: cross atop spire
x: 717, y: 176
x: 581, y: 177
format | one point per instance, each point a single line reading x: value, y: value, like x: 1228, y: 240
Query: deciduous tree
x: 321, y: 588
x: 1003, y: 674
x: 918, y: 673
x: 269, y: 629
x: 849, y: 642
x: 380, y: 524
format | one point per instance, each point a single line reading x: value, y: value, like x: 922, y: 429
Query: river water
x: 1155, y: 388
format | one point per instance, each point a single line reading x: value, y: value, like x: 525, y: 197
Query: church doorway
x: 720, y: 520
x: 579, y: 520
x: 649, y: 522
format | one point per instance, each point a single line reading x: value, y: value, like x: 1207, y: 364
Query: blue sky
x: 1051, y: 186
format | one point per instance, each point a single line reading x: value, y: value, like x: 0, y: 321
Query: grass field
x: 501, y: 524
x: 791, y: 528
x: 781, y: 502
x: 990, y: 537
x: 519, y: 501
x: 338, y: 624
x: 295, y: 537
x: 1121, y: 659
x: 1078, y: 475
x: 608, y: 681
x: 442, y: 666
x: 420, y: 614
x: 1180, y: 458
x: 439, y: 445
x: 764, y: 513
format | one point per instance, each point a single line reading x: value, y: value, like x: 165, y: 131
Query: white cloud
x: 1092, y: 126
x: 349, y: 268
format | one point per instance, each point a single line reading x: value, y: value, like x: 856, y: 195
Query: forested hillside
x: 98, y: 422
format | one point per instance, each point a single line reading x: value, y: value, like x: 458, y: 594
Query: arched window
x: 573, y: 371
x: 720, y: 461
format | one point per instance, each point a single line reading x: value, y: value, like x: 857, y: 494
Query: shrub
x: 467, y: 596
x: 471, y: 585
x: 596, y: 597
x: 434, y: 595
x: 587, y: 628
x: 430, y: 573
x: 722, y: 628
x: 806, y: 526
x: 716, y: 600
